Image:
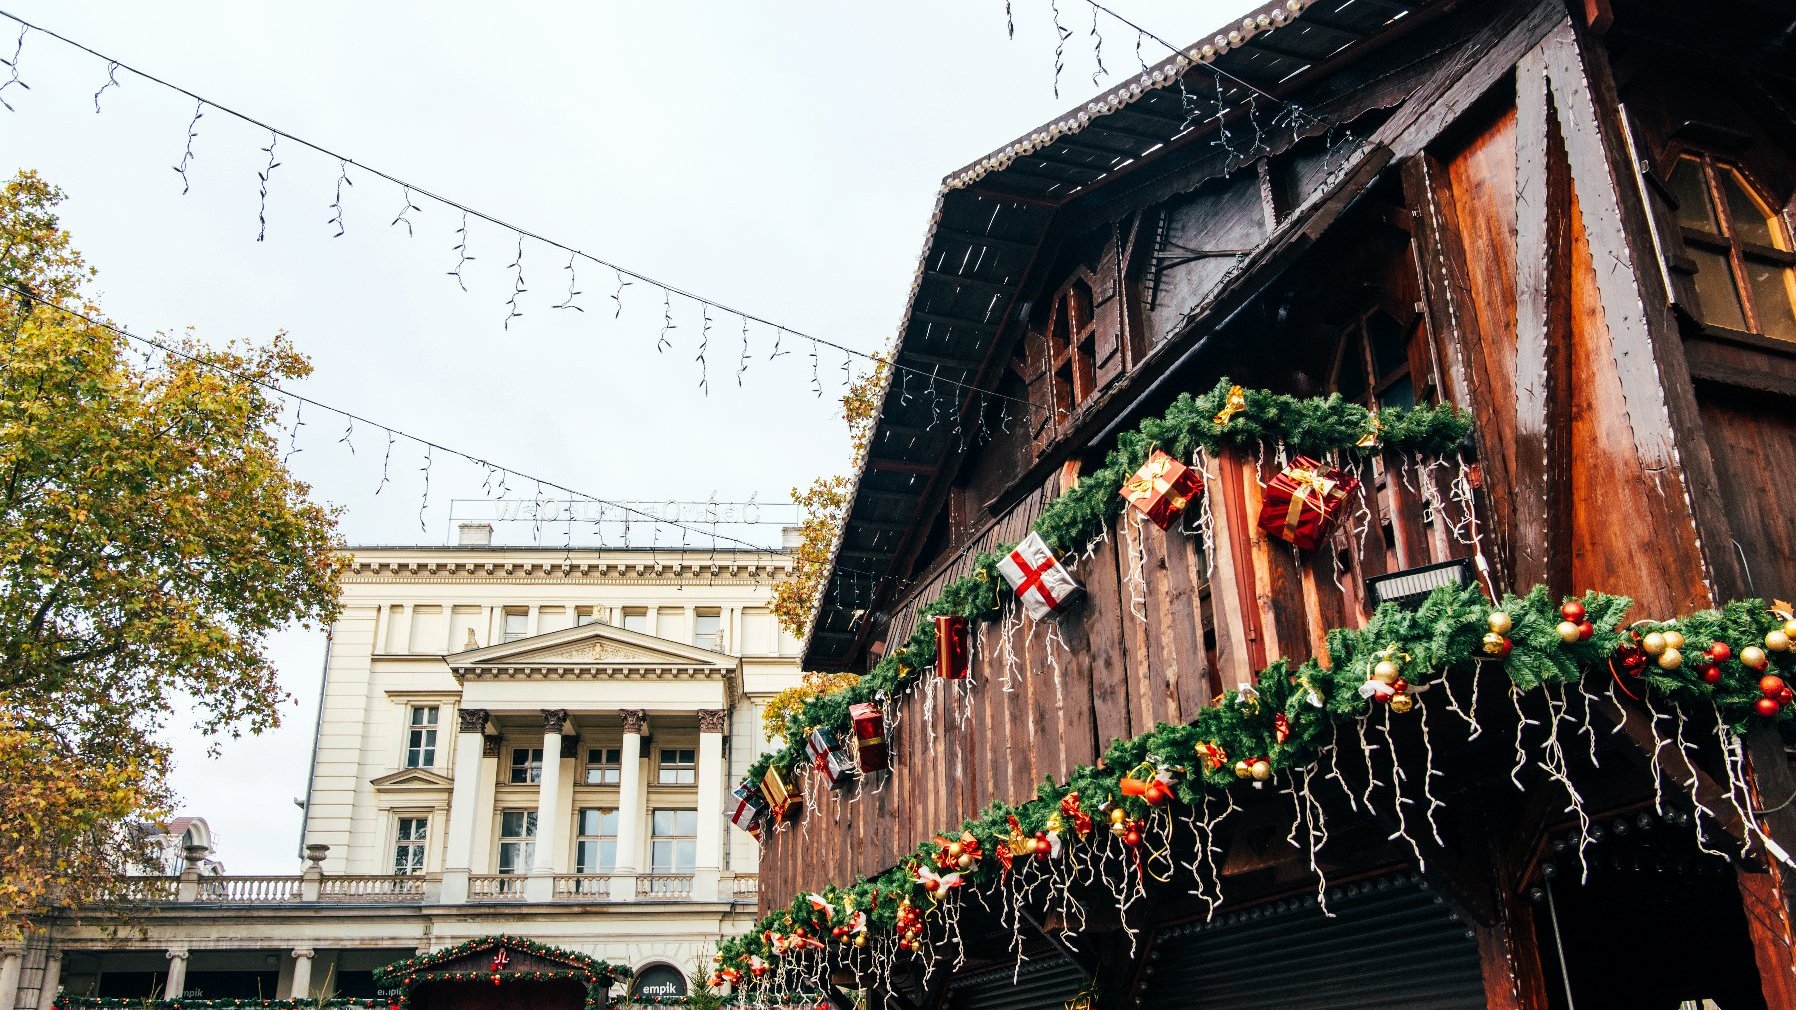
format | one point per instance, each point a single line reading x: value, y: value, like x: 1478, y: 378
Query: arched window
x: 1740, y: 244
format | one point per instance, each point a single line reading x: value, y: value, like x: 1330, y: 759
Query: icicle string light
x: 12, y: 67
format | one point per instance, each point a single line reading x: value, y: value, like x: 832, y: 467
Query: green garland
x: 1442, y: 638
x: 597, y: 975
x: 1318, y: 426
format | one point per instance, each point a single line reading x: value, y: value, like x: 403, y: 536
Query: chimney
x: 474, y: 535
x: 791, y: 537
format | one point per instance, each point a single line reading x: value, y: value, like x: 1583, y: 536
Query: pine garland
x: 1318, y: 426
x: 1442, y: 638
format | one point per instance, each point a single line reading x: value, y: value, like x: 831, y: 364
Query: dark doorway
x: 514, y: 994
x: 1656, y: 925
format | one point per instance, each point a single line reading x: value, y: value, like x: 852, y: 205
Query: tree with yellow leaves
x: 151, y: 541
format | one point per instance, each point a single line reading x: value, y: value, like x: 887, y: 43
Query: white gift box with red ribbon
x: 1038, y: 578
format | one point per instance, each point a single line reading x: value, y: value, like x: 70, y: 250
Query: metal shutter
x: 1391, y: 944
x: 1046, y: 983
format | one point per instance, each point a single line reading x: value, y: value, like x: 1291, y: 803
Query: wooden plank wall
x: 1163, y: 627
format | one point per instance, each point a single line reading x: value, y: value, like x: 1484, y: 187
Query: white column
x: 711, y: 723
x: 302, y: 974
x: 464, y: 801
x: 551, y: 815
x: 629, y: 807
x: 11, y: 960
x: 177, y: 974
x: 51, y: 986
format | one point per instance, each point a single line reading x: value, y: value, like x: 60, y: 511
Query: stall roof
x: 990, y: 221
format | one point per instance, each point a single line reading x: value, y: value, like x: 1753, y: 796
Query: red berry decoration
x: 1771, y: 685
x: 1572, y: 611
x: 1767, y: 707
x: 1720, y: 651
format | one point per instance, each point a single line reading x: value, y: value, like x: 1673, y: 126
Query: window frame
x: 532, y: 767
x: 616, y: 768
x: 418, y: 845
x: 1355, y: 333
x: 522, y: 846
x: 1728, y: 242
x: 505, y: 616
x: 582, y: 838
x: 713, y: 640
x: 679, y: 766
x: 674, y: 840
x: 413, y: 728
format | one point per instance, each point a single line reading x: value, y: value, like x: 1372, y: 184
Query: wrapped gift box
x: 827, y: 755
x: 784, y: 804
x: 746, y: 808
x: 1302, y: 503
x: 1039, y: 579
x: 869, y: 736
x: 953, y: 660
x: 1161, y: 489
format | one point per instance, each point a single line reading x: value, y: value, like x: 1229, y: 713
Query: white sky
x: 782, y: 157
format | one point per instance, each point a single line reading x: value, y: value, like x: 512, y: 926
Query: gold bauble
x: 1654, y: 643
x: 964, y: 861
x: 1754, y: 657
x: 1494, y: 643
x: 1243, y: 770
x: 1401, y: 703
x: 954, y: 850
x: 1261, y: 770
x: 1568, y: 632
x: 1386, y: 672
x: 1500, y: 622
x: 1776, y: 641
x: 1790, y: 627
x: 860, y: 939
x: 1673, y: 639
x: 1670, y: 659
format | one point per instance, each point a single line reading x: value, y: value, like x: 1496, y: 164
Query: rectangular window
x: 517, y: 624
x: 526, y: 765
x: 421, y: 737
x: 678, y: 767
x: 408, y: 847
x: 673, y: 847
x: 604, y: 766
x: 707, y: 629
x: 517, y: 840
x: 585, y: 615
x: 595, y: 850
x: 636, y: 619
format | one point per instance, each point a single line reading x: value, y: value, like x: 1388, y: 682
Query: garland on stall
x: 1227, y: 416
x: 1112, y: 823
x: 597, y: 975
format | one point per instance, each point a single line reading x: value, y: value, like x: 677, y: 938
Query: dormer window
x: 1072, y: 349
x: 1372, y: 362
x: 1740, y: 245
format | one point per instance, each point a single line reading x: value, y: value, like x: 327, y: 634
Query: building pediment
x: 596, y: 651
x: 412, y: 778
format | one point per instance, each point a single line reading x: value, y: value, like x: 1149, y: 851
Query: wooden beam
x: 936, y: 319
x: 980, y: 283
x: 899, y: 466
x: 974, y: 238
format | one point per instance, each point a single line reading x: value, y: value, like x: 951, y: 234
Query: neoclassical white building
x: 533, y: 741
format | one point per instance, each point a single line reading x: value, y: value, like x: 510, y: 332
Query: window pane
x: 686, y: 822
x: 1773, y: 296
x: 1715, y: 287
x: 1352, y: 380
x: 1752, y: 220
x: 1692, y: 194
x: 663, y: 822
x: 1399, y: 394
x: 1390, y: 345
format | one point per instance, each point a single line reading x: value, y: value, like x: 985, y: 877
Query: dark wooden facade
x: 1540, y: 210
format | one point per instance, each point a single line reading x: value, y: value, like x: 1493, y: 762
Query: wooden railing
x: 1166, y: 623
x: 582, y: 886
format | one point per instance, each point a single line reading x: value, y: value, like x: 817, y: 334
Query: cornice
x: 593, y: 672
x: 597, y: 573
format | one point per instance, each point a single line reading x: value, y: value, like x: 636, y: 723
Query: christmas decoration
x: 1234, y: 403
x: 828, y: 757
x: 1212, y: 755
x: 1037, y: 577
x: 1161, y: 489
x: 783, y: 802
x: 405, y: 975
x: 746, y: 808
x: 953, y: 659
x: 1301, y: 503
x: 869, y: 725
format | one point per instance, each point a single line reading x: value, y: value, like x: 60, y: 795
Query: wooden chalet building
x: 1572, y: 218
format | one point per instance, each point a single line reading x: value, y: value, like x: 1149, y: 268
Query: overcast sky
x: 779, y: 157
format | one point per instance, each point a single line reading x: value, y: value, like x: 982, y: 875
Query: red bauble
x: 1720, y: 651
x: 1767, y: 707
x: 1154, y: 794
x: 1711, y: 674
x: 931, y: 884
x: 1585, y: 631
x: 1572, y: 611
x: 1771, y: 685
x: 1400, y: 685
x: 1786, y: 695
x: 1131, y: 838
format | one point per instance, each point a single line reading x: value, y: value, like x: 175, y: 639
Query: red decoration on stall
x: 1161, y: 489
x: 953, y: 660
x: 1302, y: 503
x: 869, y: 736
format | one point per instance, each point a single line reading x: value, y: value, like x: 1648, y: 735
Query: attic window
x: 1072, y: 349
x: 1745, y: 269
x: 1372, y: 362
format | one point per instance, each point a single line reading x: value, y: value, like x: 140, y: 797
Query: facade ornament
x: 489, y: 746
x: 712, y: 720
x: 473, y: 720
x: 555, y: 720
x: 472, y: 642
x: 635, y: 720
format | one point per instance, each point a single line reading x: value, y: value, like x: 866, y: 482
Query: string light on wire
x: 13, y: 66
x: 410, y: 192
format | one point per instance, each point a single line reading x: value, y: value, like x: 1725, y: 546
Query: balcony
x: 315, y: 888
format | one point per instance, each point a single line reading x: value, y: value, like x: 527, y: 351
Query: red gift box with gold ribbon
x: 869, y: 736
x: 1161, y: 489
x: 1302, y: 503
